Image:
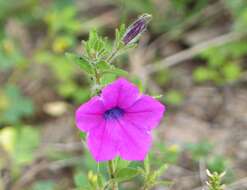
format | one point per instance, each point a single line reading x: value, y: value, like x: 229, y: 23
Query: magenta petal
x: 119, y: 122
x: 120, y: 93
x: 135, y: 142
x: 103, y: 141
x: 90, y: 114
x: 146, y: 112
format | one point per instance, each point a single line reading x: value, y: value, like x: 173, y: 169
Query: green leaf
x: 126, y: 174
x: 116, y: 71
x: 122, y: 163
x: 103, y: 66
x: 119, y: 72
x: 81, y: 61
x: 96, y: 46
x: 107, y: 78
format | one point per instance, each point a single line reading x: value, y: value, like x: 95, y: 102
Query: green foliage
x: 20, y: 143
x: 81, y: 181
x: 164, y: 154
x: 151, y: 177
x: 202, y: 74
x: 214, y: 182
x: 91, y: 181
x: 10, y: 55
x: 163, y: 77
x: 185, y: 6
x: 214, y: 162
x: 119, y: 33
x: 13, y: 8
x: 223, y: 64
x: 217, y: 163
x: 44, y: 185
x: 199, y: 150
x: 138, y: 6
x: 63, y: 20
x: 58, y: 26
x: 97, y: 57
x: 182, y: 12
x: 96, y: 47
x: 66, y: 73
x: 126, y: 174
x: 84, y: 64
x: 14, y: 105
x: 238, y: 8
x: 173, y: 97
x: 77, y: 92
x: 62, y: 43
x: 27, y: 140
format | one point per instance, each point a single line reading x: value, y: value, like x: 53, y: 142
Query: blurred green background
x: 194, y: 54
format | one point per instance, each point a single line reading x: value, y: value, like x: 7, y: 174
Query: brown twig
x: 193, y: 51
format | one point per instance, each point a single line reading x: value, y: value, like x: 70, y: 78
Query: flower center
x: 113, y: 113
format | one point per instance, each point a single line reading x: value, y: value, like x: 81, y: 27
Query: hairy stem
x: 97, y: 82
x: 112, y: 55
x: 111, y: 170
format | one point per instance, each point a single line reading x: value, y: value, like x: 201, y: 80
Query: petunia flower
x: 119, y: 121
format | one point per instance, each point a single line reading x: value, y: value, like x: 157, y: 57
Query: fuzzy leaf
x: 81, y: 61
x: 117, y: 71
x: 122, y: 163
x: 126, y: 174
x: 103, y: 66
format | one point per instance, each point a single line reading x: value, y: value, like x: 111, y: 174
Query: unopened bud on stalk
x: 136, y: 29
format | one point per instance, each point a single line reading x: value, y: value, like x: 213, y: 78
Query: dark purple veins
x: 136, y: 29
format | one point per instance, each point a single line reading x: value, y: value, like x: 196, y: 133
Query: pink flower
x: 119, y: 121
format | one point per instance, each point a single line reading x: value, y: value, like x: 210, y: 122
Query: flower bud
x: 136, y: 29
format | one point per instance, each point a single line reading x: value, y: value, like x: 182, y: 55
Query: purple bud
x: 136, y: 29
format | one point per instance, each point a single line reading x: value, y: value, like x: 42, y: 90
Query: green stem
x: 112, y: 55
x: 111, y: 169
x: 97, y: 81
